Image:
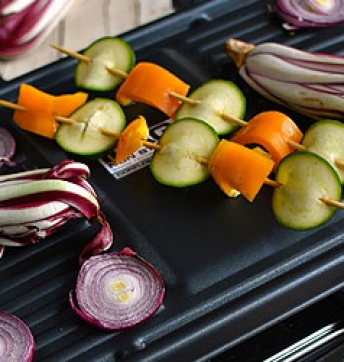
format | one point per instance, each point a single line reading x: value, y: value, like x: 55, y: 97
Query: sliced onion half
x: 7, y: 147
x: 16, y: 340
x: 117, y: 290
x: 297, y: 14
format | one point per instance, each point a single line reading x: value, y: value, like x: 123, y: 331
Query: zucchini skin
x: 305, y: 178
x: 88, y: 77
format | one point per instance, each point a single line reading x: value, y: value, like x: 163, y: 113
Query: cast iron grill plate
x: 230, y: 269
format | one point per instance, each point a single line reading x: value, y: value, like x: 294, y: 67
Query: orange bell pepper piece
x: 272, y: 130
x: 42, y: 108
x: 66, y: 104
x: 151, y: 84
x: 236, y: 167
x: 131, y: 139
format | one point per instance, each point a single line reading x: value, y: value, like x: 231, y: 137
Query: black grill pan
x: 230, y: 270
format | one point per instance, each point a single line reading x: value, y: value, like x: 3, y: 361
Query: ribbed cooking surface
x: 229, y: 269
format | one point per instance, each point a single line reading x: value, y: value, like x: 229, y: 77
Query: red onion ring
x: 117, y: 290
x: 16, y: 340
x: 7, y: 147
x: 297, y: 14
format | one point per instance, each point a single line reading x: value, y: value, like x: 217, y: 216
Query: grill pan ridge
x: 225, y: 281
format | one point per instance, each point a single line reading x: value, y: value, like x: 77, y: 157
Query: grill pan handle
x: 323, y: 338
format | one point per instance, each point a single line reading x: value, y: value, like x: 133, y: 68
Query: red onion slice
x: 117, y: 290
x: 297, y: 14
x: 16, y: 340
x: 7, y: 147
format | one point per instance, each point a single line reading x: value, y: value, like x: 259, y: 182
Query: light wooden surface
x: 86, y: 21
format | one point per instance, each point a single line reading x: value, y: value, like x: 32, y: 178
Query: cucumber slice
x: 326, y: 138
x: 217, y: 97
x: 111, y: 52
x: 175, y: 163
x: 305, y: 177
x: 84, y: 137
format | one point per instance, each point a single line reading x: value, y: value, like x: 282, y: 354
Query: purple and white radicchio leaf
x: 35, y: 204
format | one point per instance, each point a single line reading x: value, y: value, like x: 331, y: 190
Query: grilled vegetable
x: 299, y: 14
x: 182, y: 144
x: 41, y: 109
x: 35, y: 204
x: 216, y: 99
x: 309, y: 83
x: 117, y: 290
x: 326, y: 138
x: 306, y: 178
x: 17, y: 342
x: 131, y: 139
x: 106, y: 54
x: 236, y: 167
x: 84, y: 137
x: 272, y: 130
x: 152, y: 84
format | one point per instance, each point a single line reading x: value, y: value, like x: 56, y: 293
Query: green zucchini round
x: 218, y: 98
x: 182, y: 144
x: 305, y: 178
x: 84, y: 137
x: 111, y: 52
x: 326, y: 138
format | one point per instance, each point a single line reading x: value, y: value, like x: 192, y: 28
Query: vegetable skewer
x: 222, y: 103
x: 252, y: 132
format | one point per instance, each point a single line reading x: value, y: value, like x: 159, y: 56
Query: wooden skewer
x: 299, y: 147
x: 232, y: 119
x: 72, y: 53
x: 191, y: 102
x: 11, y: 105
x: 333, y: 203
x: 18, y: 107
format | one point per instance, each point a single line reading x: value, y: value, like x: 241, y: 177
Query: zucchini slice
x: 217, y: 98
x: 326, y: 138
x: 111, y: 52
x: 183, y: 141
x: 305, y: 177
x: 84, y: 137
